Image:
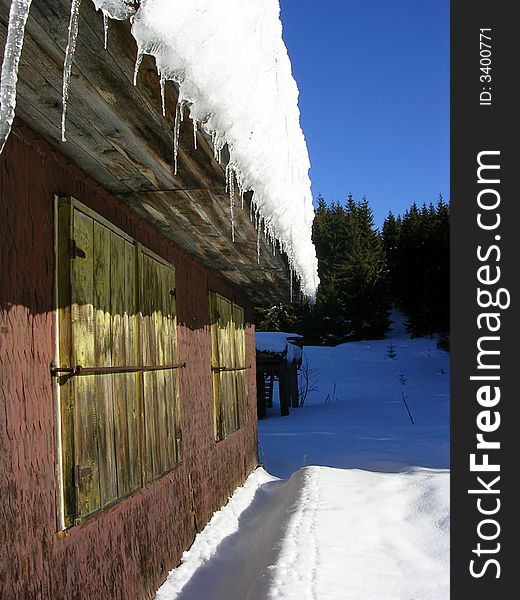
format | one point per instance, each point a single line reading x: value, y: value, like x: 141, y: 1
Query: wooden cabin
x: 127, y: 352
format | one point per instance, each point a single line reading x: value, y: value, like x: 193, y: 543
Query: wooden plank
x: 240, y: 357
x: 227, y: 360
x: 148, y: 349
x: 131, y: 358
x: 172, y: 357
x: 63, y: 303
x: 159, y: 376
x: 83, y: 340
x: 215, y: 364
x: 120, y: 381
x: 103, y: 357
x: 169, y: 356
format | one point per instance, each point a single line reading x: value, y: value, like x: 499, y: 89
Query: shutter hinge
x: 76, y: 252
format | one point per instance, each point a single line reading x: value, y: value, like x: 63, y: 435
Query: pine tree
x: 390, y: 235
x: 418, y: 266
x: 352, y: 303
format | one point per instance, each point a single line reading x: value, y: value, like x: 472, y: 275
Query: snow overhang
x: 117, y: 133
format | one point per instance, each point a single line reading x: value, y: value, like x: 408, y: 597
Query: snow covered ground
x: 356, y: 505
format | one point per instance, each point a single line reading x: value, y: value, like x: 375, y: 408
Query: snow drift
x: 325, y: 533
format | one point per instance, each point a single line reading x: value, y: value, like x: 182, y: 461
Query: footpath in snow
x: 356, y: 502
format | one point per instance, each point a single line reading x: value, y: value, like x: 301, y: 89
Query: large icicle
x: 194, y: 133
x: 116, y: 9
x: 162, y: 83
x: 138, y: 61
x: 232, y: 201
x: 176, y: 131
x: 105, y: 28
x: 69, y: 55
x: 13, y: 49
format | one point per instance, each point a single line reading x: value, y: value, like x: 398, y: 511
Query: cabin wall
x: 127, y: 550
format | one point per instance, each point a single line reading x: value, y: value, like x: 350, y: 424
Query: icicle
x: 232, y: 202
x: 194, y: 133
x: 138, y: 60
x: 13, y: 49
x: 214, y: 144
x: 176, y: 131
x: 227, y: 178
x: 67, y: 64
x: 290, y: 283
x: 258, y: 245
x: 105, y: 27
x: 163, y: 102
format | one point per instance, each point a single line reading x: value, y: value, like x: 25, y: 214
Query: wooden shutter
x: 241, y: 373
x: 116, y: 310
x: 101, y: 431
x: 228, y: 360
x: 159, y: 347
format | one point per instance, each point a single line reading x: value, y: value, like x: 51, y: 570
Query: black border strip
x: 477, y: 128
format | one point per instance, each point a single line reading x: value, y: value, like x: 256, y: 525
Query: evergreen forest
x: 364, y: 272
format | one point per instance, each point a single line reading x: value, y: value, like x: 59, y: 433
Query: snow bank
x: 233, y: 557
x: 233, y: 72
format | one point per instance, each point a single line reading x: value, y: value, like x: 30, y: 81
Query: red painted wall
x: 127, y: 551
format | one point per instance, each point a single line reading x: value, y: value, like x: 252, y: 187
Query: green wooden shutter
x: 228, y: 364
x: 241, y: 373
x: 97, y: 328
x: 215, y: 365
x: 86, y: 461
x: 159, y: 347
x: 116, y: 308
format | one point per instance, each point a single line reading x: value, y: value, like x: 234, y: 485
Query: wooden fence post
x: 283, y: 386
x: 260, y: 394
x: 293, y: 382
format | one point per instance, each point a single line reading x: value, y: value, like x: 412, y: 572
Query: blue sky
x: 374, y: 97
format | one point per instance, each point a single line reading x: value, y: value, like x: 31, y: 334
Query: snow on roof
x: 234, y: 74
x: 278, y: 342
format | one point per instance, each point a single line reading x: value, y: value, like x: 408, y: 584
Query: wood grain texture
x: 228, y: 365
x: 103, y: 357
x: 83, y: 353
x: 240, y: 353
